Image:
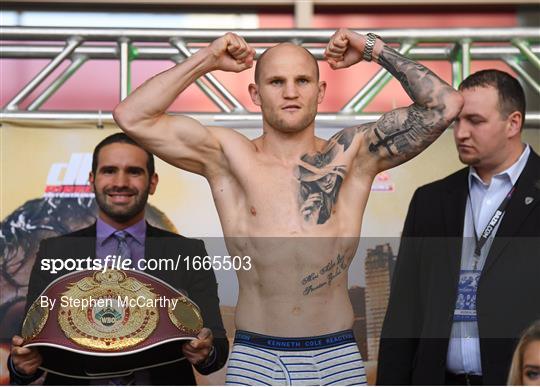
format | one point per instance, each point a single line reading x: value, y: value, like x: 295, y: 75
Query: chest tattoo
x: 320, y: 177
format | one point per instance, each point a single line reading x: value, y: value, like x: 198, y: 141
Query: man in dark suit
x: 460, y: 297
x: 122, y: 177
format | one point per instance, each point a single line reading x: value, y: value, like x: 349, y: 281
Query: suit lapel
x: 88, y: 239
x: 454, y: 212
x: 523, y: 201
x: 454, y: 199
x: 153, y: 249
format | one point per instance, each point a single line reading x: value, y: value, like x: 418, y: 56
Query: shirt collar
x: 511, y: 172
x: 105, y: 230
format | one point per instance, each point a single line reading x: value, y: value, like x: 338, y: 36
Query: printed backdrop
x: 45, y: 192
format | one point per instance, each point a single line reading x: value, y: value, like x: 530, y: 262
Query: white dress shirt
x: 464, y: 346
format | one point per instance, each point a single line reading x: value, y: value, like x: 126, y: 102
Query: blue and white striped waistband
x: 294, y: 343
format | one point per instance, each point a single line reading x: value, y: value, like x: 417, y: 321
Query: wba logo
x: 70, y: 179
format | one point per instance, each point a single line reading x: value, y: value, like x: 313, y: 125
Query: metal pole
x: 513, y: 63
x: 71, y: 44
x: 210, y: 78
x: 457, y: 75
x: 58, y: 82
x: 527, y: 52
x: 236, y: 121
x: 165, y: 53
x: 455, y: 62
x: 123, y: 44
x: 208, y: 91
x: 465, y: 58
x: 375, y: 84
x: 270, y: 36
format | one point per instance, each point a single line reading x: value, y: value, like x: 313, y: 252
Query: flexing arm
x: 400, y: 134
x: 180, y: 140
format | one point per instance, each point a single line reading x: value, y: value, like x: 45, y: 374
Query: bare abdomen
x: 287, y: 316
x: 296, y: 287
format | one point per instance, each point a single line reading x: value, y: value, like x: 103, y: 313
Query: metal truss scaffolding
x: 519, y: 48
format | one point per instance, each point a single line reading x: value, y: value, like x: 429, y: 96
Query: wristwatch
x: 371, y: 38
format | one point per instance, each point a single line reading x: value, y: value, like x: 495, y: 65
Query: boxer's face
x: 481, y: 131
x: 121, y: 183
x: 288, y: 89
x: 531, y: 364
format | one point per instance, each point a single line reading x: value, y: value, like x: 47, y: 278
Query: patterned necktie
x: 123, y: 251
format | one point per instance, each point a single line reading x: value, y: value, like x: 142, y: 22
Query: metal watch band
x: 371, y: 38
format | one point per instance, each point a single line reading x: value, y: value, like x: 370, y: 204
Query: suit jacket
x: 417, y: 327
x: 200, y: 286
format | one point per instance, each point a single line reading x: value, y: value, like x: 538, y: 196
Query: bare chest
x: 289, y: 201
x: 272, y: 199
x: 313, y: 195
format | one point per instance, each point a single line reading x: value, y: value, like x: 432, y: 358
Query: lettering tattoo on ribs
x: 326, y: 274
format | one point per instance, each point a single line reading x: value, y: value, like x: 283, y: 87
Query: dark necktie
x: 123, y: 251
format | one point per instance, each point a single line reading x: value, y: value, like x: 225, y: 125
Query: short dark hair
x: 260, y: 60
x: 511, y: 95
x: 123, y: 139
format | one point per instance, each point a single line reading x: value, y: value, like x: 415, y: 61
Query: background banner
x: 45, y: 192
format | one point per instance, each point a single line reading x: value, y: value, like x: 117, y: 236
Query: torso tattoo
x: 326, y: 275
x: 321, y: 176
x: 396, y: 137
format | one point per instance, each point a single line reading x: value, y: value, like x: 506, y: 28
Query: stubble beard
x: 122, y: 214
x: 275, y: 120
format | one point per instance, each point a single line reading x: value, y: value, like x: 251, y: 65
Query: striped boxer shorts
x: 332, y: 359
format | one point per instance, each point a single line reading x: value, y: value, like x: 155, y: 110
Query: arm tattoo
x: 403, y: 133
x: 398, y: 139
x: 321, y: 176
x: 417, y: 80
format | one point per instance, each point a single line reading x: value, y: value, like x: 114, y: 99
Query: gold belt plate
x: 101, y: 319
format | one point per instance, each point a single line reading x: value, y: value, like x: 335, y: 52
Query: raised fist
x: 232, y: 53
x: 344, y: 49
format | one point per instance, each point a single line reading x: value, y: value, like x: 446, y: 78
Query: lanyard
x: 495, y: 219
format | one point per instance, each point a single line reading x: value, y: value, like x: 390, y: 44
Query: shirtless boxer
x: 293, y: 314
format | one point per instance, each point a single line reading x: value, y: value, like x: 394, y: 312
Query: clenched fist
x: 345, y: 48
x: 232, y: 53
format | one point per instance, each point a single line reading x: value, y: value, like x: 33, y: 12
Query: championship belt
x: 92, y: 324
